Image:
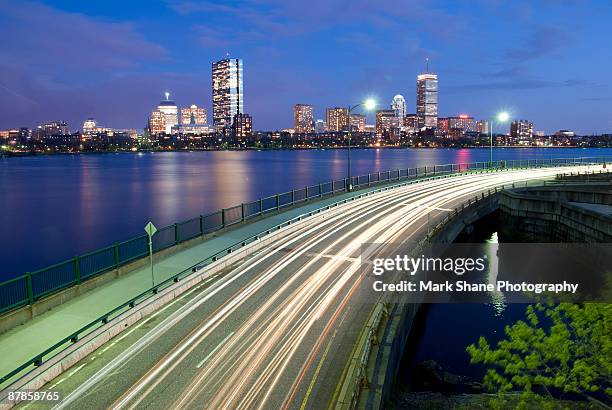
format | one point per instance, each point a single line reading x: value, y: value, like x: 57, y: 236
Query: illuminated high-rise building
x: 411, y: 123
x: 427, y: 100
x: 521, y: 131
x: 193, y: 115
x: 386, y: 121
x: 482, y: 127
x: 319, y: 126
x: 337, y: 118
x: 303, y: 120
x: 443, y: 126
x: 242, y: 125
x: 398, y: 105
x: 227, y: 92
x: 170, y: 111
x: 157, y: 122
x: 463, y: 122
x: 358, y: 122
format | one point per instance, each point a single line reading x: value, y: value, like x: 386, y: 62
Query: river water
x: 55, y: 207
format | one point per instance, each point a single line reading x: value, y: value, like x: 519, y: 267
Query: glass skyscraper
x: 227, y: 92
x: 427, y: 100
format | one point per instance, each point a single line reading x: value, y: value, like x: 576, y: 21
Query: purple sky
x: 548, y: 61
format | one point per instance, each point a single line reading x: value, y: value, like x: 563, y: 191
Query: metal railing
x: 410, y: 175
x: 32, y: 286
x: 74, y: 337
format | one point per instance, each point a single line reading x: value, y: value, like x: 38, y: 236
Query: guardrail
x: 356, y: 378
x: 32, y: 286
x: 102, y: 320
x: 107, y: 317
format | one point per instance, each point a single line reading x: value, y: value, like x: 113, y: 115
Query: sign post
x: 150, y: 229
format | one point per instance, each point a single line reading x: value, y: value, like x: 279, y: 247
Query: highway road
x: 276, y: 330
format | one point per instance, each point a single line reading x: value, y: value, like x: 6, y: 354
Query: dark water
x: 55, y: 207
x: 435, y: 337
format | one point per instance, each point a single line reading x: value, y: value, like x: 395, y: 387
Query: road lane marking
x: 334, y: 257
x: 214, y: 350
x: 320, y: 365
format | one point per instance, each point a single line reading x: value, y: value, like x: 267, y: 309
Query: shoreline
x: 21, y: 154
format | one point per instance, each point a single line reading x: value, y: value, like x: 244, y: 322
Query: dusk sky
x: 548, y: 61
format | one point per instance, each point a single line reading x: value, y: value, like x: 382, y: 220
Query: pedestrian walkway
x: 24, y: 342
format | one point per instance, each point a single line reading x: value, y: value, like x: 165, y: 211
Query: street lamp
x: 369, y: 105
x: 500, y: 117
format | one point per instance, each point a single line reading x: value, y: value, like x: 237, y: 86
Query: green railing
x: 32, y: 286
x: 274, y: 202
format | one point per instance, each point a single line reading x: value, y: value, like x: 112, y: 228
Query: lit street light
x: 369, y: 105
x: 501, y: 117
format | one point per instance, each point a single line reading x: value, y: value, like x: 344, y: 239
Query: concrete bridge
x: 279, y: 321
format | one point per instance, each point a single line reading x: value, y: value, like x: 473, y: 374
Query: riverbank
x: 19, y: 154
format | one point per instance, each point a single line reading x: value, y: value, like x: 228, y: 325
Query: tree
x: 562, y: 349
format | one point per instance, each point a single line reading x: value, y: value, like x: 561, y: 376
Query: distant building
x: 443, y: 124
x: 157, y: 122
x: 521, y: 132
x: 193, y: 115
x: 565, y: 133
x: 358, y: 122
x: 482, y: 127
x: 53, y: 128
x: 320, y: 127
x: 303, y: 120
x: 89, y: 125
x: 386, y: 121
x: 462, y: 122
x: 337, y: 118
x: 242, y: 126
x: 398, y: 105
x: 427, y: 100
x: 170, y: 112
x: 411, y: 123
x: 227, y: 92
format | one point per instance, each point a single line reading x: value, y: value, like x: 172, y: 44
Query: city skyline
x: 125, y: 62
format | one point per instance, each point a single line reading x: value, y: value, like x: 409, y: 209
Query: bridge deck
x: 25, y: 341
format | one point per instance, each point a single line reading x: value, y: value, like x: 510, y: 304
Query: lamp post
x: 369, y: 104
x: 501, y: 117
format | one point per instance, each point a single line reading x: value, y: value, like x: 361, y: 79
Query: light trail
x: 274, y: 326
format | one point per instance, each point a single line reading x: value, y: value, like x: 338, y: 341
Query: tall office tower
x: 462, y: 122
x: 303, y: 121
x: 170, y: 111
x: 193, y: 115
x: 157, y: 123
x: 427, y: 100
x: 227, y: 92
x: 521, y: 131
x: 319, y: 126
x: 386, y: 121
x: 358, y: 122
x: 242, y: 125
x: 398, y: 105
x: 337, y: 119
x: 482, y: 127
